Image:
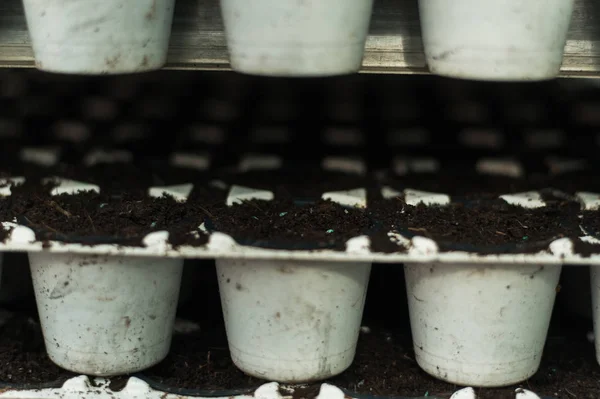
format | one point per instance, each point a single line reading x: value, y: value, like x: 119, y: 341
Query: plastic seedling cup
x: 495, y: 40
x: 292, y: 321
x: 296, y: 38
x: 480, y: 325
x: 99, y: 36
x: 105, y: 315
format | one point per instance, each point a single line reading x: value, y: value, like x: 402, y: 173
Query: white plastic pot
x: 595, y: 277
x: 495, y: 40
x: 105, y: 315
x: 292, y: 321
x: 99, y: 36
x: 480, y: 325
x: 296, y: 38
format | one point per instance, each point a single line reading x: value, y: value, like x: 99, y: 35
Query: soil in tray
x: 285, y: 224
x: 384, y: 365
x: 585, y: 249
x: 491, y: 226
x: 91, y: 218
x: 23, y: 358
x: 200, y: 360
x: 590, y: 223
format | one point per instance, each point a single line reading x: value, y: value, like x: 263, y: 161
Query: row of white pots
x: 297, y: 321
x: 498, y: 40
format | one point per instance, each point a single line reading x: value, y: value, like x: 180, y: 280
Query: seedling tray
x: 222, y: 149
x: 209, y: 150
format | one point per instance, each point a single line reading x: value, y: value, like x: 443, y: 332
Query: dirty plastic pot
x: 292, y: 321
x: 296, y: 38
x: 480, y: 325
x: 105, y: 315
x: 495, y: 40
x: 99, y: 36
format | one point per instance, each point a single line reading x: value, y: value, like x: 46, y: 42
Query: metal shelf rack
x: 394, y: 43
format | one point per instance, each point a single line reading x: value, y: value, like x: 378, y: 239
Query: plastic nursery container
x: 105, y: 315
x: 292, y: 321
x: 480, y: 325
x: 99, y: 36
x: 296, y: 38
x: 495, y: 40
x: 595, y: 277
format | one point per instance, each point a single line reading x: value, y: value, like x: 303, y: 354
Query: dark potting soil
x: 117, y: 384
x: 590, y: 223
x: 92, y: 218
x: 491, y: 226
x: 201, y: 361
x: 388, y: 215
x: 380, y: 242
x: 585, y: 249
x: 23, y: 358
x: 384, y: 365
x: 300, y: 392
x: 285, y: 224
